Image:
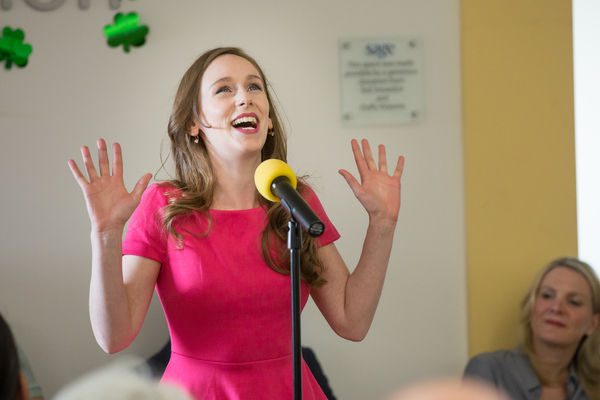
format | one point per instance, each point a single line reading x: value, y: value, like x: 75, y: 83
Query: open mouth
x: 245, y: 123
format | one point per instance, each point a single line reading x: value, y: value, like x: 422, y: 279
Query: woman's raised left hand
x: 378, y: 192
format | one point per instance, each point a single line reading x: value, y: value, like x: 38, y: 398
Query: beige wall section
x: 519, y: 155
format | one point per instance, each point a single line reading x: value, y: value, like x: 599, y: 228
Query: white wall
x: 586, y: 34
x: 76, y: 89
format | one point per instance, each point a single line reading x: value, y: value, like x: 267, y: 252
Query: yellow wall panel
x: 519, y: 154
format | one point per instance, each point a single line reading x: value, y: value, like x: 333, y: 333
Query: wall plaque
x: 381, y: 80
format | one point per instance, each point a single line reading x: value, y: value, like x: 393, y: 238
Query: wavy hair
x: 195, y: 175
x: 587, y: 357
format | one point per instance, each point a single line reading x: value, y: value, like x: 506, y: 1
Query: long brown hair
x: 587, y: 357
x: 195, y: 175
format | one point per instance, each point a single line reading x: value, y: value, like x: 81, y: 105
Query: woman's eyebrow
x: 229, y: 79
x: 251, y: 76
x: 577, y: 294
x: 225, y: 79
x: 571, y: 294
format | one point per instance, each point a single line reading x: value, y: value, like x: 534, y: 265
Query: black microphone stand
x: 295, y: 244
x: 300, y: 215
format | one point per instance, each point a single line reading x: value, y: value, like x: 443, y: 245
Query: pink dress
x: 229, y: 314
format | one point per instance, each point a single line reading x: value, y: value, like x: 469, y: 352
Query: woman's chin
x: 557, y: 339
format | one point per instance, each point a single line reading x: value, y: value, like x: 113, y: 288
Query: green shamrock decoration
x: 126, y: 31
x: 12, y: 48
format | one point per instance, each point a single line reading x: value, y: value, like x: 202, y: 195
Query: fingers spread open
x: 103, y: 158
x: 358, y: 156
x: 399, y: 167
x: 141, y: 185
x: 77, y: 173
x: 88, y: 163
x: 382, y: 159
x: 117, y: 160
x: 351, y: 180
x: 368, y: 155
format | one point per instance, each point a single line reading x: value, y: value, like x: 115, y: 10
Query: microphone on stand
x: 276, y: 181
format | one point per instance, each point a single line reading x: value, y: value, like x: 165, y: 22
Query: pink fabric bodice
x: 229, y: 314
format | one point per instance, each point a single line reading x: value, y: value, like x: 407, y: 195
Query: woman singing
x: 215, y: 249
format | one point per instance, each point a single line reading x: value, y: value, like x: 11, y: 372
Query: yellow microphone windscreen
x: 267, y: 172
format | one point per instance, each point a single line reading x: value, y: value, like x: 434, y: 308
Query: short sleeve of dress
x: 145, y: 236
x: 331, y: 234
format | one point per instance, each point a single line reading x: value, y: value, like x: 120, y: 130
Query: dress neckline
x: 214, y: 210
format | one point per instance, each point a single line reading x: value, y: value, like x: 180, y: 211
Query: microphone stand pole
x: 300, y: 214
x: 295, y: 245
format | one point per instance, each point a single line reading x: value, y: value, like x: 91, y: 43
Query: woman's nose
x: 243, y: 99
x: 557, y: 306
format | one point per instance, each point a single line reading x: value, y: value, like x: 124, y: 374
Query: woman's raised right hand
x: 108, y: 202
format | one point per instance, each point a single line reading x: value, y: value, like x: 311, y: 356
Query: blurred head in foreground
x: 449, y: 390
x: 123, y: 380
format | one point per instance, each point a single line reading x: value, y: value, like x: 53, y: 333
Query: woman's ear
x: 595, y: 323
x: 23, y: 390
x: 195, y: 129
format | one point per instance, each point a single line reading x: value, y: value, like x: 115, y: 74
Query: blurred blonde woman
x: 559, y: 358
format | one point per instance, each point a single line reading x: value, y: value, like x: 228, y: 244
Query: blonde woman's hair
x: 587, y: 357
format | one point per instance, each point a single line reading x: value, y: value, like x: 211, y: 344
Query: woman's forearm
x: 365, y: 283
x: 109, y: 306
x: 349, y: 301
